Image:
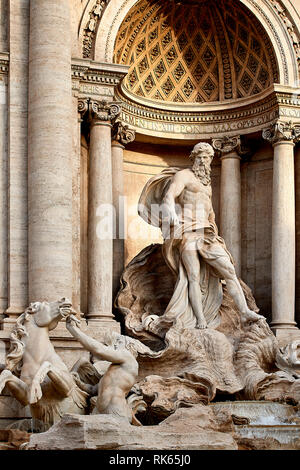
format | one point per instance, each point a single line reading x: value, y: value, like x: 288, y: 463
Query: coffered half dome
x: 194, y: 51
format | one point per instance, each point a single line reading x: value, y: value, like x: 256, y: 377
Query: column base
x: 97, y: 325
x: 8, y: 322
x: 10, y: 317
x: 16, y: 311
x: 285, y: 333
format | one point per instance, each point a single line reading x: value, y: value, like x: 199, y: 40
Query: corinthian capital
x: 121, y: 133
x: 226, y: 144
x: 103, y: 111
x: 99, y: 110
x: 282, y: 131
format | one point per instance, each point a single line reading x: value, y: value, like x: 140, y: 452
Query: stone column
x: 121, y: 136
x: 17, y: 259
x: 76, y: 202
x: 50, y: 149
x: 282, y: 137
x: 3, y: 183
x: 100, y: 224
x: 297, y: 197
x: 230, y: 196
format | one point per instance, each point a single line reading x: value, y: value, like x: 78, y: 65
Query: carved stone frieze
x: 282, y: 131
x: 91, y: 27
x: 121, y: 133
x: 99, y: 110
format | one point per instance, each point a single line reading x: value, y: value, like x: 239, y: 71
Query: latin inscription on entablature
x: 289, y: 112
x: 198, y: 128
x: 98, y: 90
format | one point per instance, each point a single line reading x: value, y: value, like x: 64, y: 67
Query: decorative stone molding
x: 282, y: 131
x: 99, y: 110
x: 90, y: 30
x: 122, y: 133
x: 290, y: 27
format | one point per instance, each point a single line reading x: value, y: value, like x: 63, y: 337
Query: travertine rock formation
x: 189, y: 366
x: 195, y: 430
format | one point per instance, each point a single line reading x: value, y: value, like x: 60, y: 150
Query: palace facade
x: 97, y: 96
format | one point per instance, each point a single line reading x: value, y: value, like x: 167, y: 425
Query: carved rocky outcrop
x: 198, y: 430
x: 189, y: 366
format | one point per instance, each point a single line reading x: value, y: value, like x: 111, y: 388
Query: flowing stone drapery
x: 121, y: 135
x: 283, y: 136
x: 100, y: 237
x: 230, y: 196
x: 50, y: 148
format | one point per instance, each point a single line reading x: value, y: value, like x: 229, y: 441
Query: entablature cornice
x: 206, y: 121
x: 90, y: 78
x: 184, y: 121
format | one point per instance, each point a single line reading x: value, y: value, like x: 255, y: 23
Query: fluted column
x: 121, y: 136
x: 50, y: 148
x: 100, y: 212
x: 230, y: 196
x: 282, y: 137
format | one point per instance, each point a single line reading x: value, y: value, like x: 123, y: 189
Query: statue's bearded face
x: 202, y: 166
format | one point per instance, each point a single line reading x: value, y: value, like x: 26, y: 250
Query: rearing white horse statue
x: 34, y: 373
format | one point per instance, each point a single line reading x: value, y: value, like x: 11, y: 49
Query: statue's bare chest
x: 195, y: 191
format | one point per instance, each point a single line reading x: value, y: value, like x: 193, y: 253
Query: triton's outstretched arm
x: 98, y: 349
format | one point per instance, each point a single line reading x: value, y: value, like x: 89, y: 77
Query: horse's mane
x: 15, y: 355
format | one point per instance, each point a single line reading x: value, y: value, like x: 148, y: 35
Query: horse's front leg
x: 17, y: 387
x: 61, y: 381
x: 35, y: 393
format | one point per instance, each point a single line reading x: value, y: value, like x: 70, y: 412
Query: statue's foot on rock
x: 4, y: 377
x: 251, y: 316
